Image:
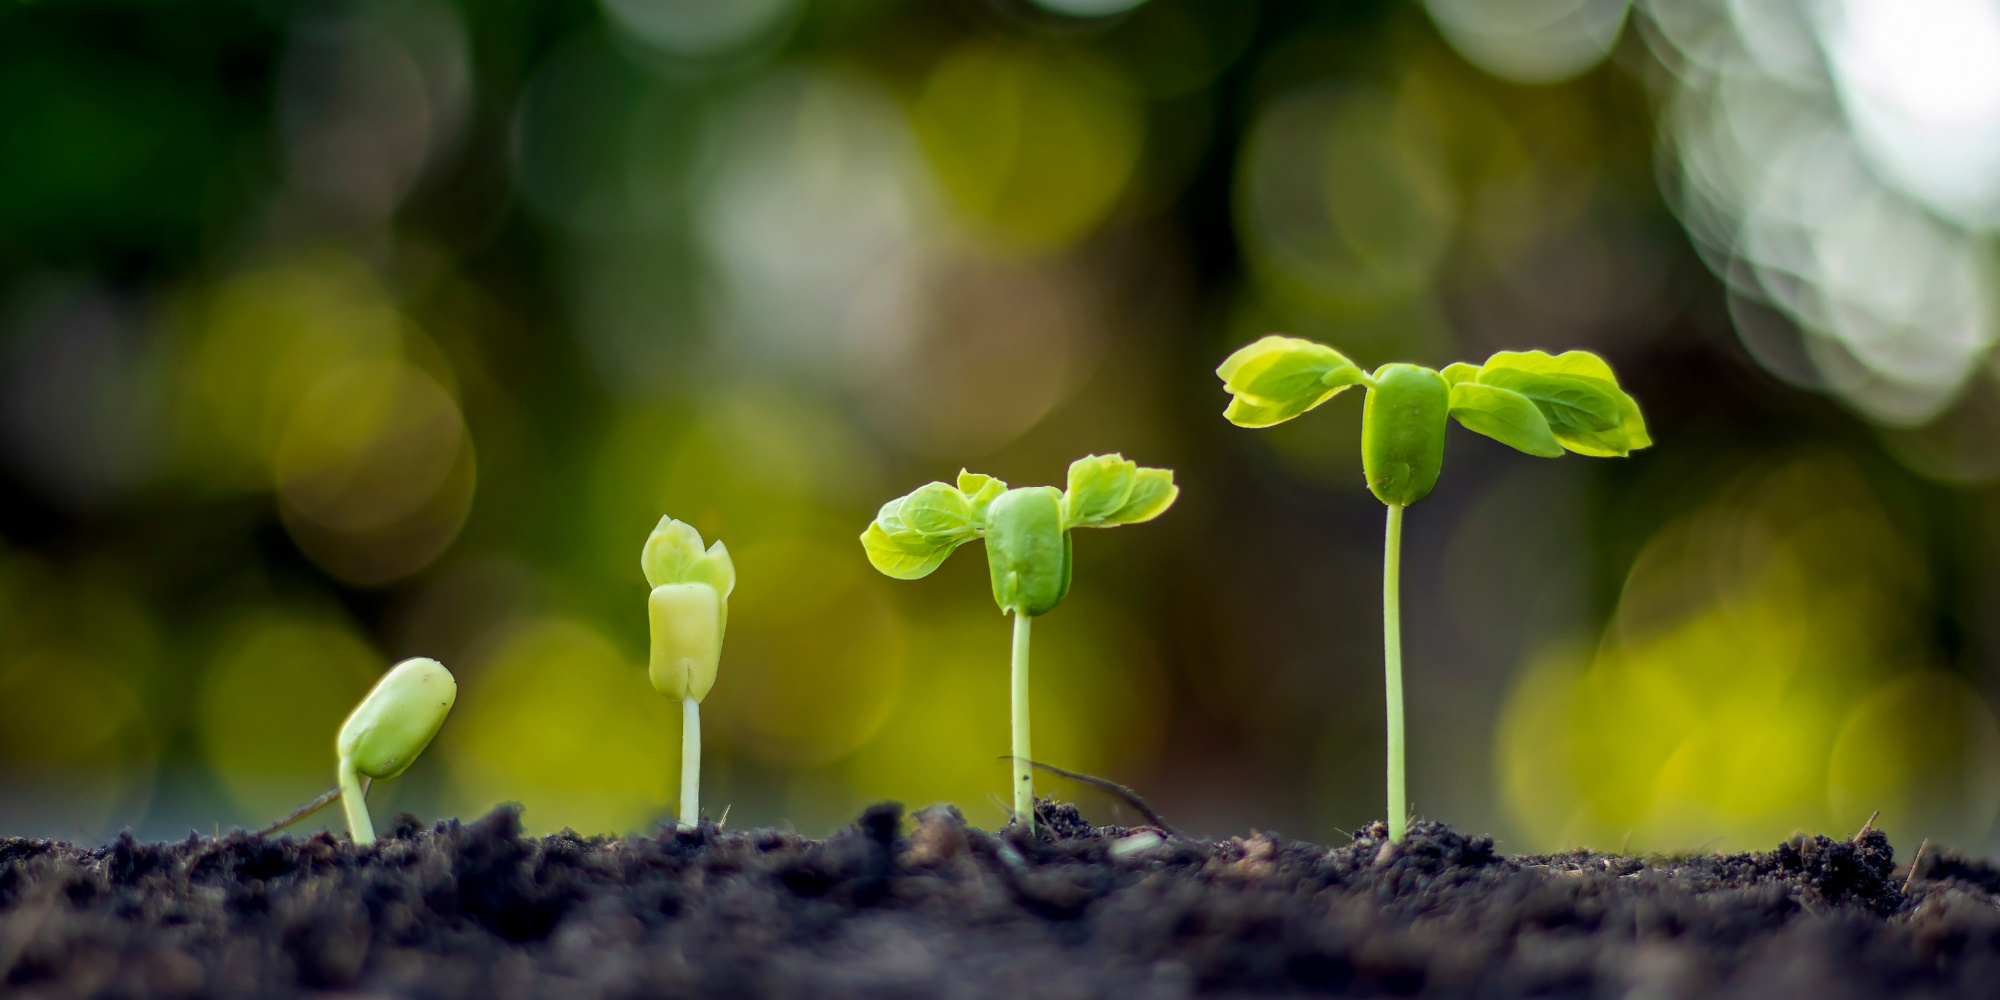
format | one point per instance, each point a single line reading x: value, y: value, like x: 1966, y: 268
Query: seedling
x: 1533, y: 402
x: 1027, y: 550
x: 689, y: 609
x: 388, y: 730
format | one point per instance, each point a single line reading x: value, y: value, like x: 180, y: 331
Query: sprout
x: 688, y: 609
x: 387, y: 731
x: 1533, y: 402
x: 1027, y: 550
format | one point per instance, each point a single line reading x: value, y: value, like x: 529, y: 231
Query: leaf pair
x: 1026, y: 529
x: 1542, y: 405
x: 1529, y: 400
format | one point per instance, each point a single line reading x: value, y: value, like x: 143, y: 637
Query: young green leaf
x: 980, y: 490
x: 912, y: 535
x: 1107, y: 490
x: 1505, y: 416
x: 1402, y: 433
x: 670, y: 550
x: 1459, y: 372
x: 1278, y: 378
x: 1027, y: 550
x: 1577, y: 394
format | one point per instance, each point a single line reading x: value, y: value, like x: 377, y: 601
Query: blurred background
x: 334, y: 333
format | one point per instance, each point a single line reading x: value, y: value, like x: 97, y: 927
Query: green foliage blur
x: 334, y: 333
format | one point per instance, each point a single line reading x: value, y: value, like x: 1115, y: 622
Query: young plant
x: 387, y: 731
x: 1027, y: 550
x: 688, y: 609
x: 1526, y: 399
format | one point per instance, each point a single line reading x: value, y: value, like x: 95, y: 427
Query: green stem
x: 1392, y: 664
x: 1024, y: 772
x: 690, y: 763
x: 354, y: 799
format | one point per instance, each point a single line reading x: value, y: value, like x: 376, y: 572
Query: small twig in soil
x: 1865, y: 827
x: 326, y: 798
x: 1914, y: 862
x: 1106, y: 784
x: 724, y: 821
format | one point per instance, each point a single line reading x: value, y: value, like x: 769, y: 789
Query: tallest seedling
x: 1539, y: 404
x: 1027, y: 550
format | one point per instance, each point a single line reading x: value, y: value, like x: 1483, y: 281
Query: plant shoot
x: 387, y: 731
x: 688, y: 610
x: 1027, y: 533
x: 1529, y: 400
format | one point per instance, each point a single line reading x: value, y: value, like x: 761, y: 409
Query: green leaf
x: 1278, y: 378
x: 902, y: 557
x: 1505, y: 416
x: 1152, y: 493
x: 670, y: 551
x: 1577, y: 394
x: 1459, y: 372
x: 912, y: 535
x: 1107, y: 490
x: 715, y: 569
x: 1098, y: 486
x: 980, y: 490
x: 937, y: 512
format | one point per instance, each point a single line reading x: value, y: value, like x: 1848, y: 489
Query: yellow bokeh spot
x: 375, y: 472
x: 273, y: 699
x: 1925, y: 750
x: 814, y: 659
x: 559, y: 721
x: 368, y: 446
x: 1030, y: 150
x: 259, y: 342
x: 1747, y: 633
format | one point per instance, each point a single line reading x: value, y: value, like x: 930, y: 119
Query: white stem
x: 690, y: 763
x: 354, y: 799
x: 1024, y: 773
x: 1392, y: 664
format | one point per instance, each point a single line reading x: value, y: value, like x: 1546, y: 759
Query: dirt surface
x: 927, y: 907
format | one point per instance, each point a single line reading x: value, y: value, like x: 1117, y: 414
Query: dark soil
x: 932, y: 908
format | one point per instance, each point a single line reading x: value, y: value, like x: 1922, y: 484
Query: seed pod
x: 688, y: 620
x: 397, y: 720
x: 1402, y: 432
x: 1027, y: 549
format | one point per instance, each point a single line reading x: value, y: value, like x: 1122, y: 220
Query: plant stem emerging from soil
x: 354, y: 799
x: 1024, y: 771
x: 1392, y: 663
x: 690, y: 763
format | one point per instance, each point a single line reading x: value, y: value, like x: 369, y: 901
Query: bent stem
x: 354, y: 799
x: 1024, y: 772
x: 1392, y: 664
x: 690, y: 763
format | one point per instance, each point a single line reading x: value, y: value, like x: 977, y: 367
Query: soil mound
x: 929, y: 907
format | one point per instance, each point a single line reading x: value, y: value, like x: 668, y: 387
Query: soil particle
x: 927, y: 906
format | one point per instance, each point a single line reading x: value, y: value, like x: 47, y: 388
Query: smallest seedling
x: 388, y: 730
